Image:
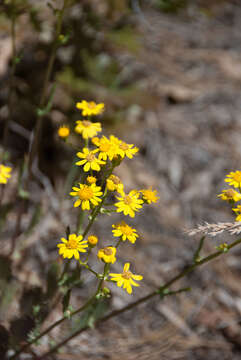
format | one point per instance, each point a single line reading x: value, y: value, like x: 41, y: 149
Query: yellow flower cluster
x: 5, y: 174
x: 98, y: 159
x: 231, y: 195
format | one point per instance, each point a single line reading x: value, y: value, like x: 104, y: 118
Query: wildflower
x: 230, y: 195
x: 107, y: 254
x: 126, y: 278
x: 234, y: 178
x: 129, y: 203
x: 92, y: 240
x: 125, y: 232
x: 63, y: 131
x: 237, y: 211
x: 105, y: 148
x: 91, y: 179
x: 4, y: 174
x: 87, y: 129
x: 95, y: 141
x: 149, y: 195
x: 114, y: 183
x: 127, y: 150
x: 89, y: 160
x: 90, y: 108
x: 72, y: 247
x: 87, y: 195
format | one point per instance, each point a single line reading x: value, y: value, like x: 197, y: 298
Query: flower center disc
x: 230, y: 193
x: 116, y: 180
x: 127, y: 200
x: 107, y: 251
x: 86, y: 123
x: 86, y: 193
x: 126, y: 230
x: 90, y: 157
x: 126, y: 275
x: 92, y: 105
x: 72, y: 244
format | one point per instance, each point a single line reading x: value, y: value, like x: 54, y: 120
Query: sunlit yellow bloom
x: 72, y: 247
x: 63, y: 131
x: 113, y: 183
x: 230, y: 195
x: 149, y: 195
x: 125, y: 279
x: 91, y: 179
x: 87, y: 129
x: 95, y: 141
x: 107, y: 254
x: 237, y: 211
x: 90, y: 108
x: 87, y: 195
x: 5, y: 174
x: 130, y: 203
x: 125, y: 232
x: 127, y: 150
x: 105, y: 148
x: 92, y: 240
x: 89, y: 160
x: 234, y: 178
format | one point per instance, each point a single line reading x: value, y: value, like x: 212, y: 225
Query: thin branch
x: 159, y: 291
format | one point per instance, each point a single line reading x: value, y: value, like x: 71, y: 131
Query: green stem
x: 89, y: 268
x: 66, y: 268
x: 94, y: 214
x: 144, y: 298
x: 37, y: 132
x: 72, y: 174
x: 12, y: 72
x: 197, y: 252
x: 57, y: 323
x: 80, y: 221
x: 96, y: 211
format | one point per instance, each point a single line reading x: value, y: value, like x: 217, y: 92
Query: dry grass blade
x: 216, y: 229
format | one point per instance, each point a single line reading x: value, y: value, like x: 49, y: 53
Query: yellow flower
x: 107, y: 254
x: 72, y: 247
x: 126, y: 278
x: 129, y: 203
x: 87, y: 129
x: 91, y: 179
x: 113, y: 183
x: 105, y: 148
x: 63, y: 131
x: 149, y: 195
x: 125, y: 232
x: 127, y: 150
x: 234, y: 178
x: 89, y: 160
x: 237, y: 210
x: 230, y: 195
x: 92, y: 240
x: 87, y: 195
x: 95, y: 141
x: 4, y: 174
x: 90, y: 108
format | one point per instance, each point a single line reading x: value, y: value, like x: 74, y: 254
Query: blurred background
x: 169, y: 73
